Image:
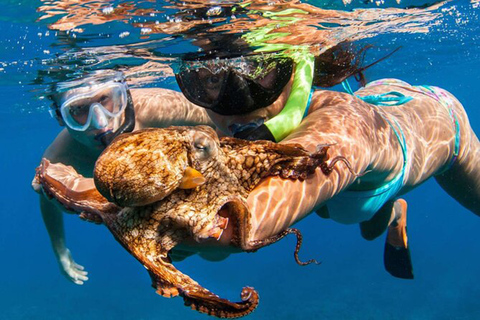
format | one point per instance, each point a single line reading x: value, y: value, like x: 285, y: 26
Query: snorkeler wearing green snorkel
x: 251, y: 97
x: 233, y: 76
x: 272, y: 90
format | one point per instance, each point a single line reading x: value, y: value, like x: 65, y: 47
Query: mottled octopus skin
x: 149, y: 215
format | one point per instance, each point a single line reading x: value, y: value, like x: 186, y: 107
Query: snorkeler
x: 239, y: 101
x: 233, y: 89
x: 94, y: 110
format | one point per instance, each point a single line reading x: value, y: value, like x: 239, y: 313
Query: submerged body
x: 360, y: 132
x: 438, y: 141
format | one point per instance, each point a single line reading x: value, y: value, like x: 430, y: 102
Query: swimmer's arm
x: 277, y: 204
x: 53, y: 219
x: 162, y: 108
x: 52, y: 215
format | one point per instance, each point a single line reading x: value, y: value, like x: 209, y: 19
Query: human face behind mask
x: 239, y: 93
x: 230, y: 125
x: 94, y: 108
x: 93, y: 111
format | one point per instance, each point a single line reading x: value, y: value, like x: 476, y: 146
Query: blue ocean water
x: 349, y: 284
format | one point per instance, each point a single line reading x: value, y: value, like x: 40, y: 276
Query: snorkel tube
x: 297, y: 103
x: 296, y: 107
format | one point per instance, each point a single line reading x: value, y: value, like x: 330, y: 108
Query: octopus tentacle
x: 212, y: 307
x: 166, y: 279
x: 261, y: 159
x: 328, y: 168
x: 90, y: 204
x: 170, y: 282
x: 257, y: 244
x: 298, y: 246
x: 91, y: 217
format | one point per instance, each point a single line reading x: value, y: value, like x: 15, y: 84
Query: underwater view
x: 46, y: 45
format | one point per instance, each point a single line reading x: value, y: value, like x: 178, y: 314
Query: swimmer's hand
x: 70, y: 269
x: 253, y: 134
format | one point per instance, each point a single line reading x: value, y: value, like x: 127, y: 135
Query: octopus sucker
x: 195, y: 189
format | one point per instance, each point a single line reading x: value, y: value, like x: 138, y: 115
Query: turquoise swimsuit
x: 352, y: 206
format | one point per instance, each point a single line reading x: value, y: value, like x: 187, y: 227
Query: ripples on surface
x: 143, y: 38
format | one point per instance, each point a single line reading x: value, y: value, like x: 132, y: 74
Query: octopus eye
x: 204, y: 147
x: 201, y: 146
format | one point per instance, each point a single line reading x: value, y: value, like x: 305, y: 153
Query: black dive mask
x: 234, y: 86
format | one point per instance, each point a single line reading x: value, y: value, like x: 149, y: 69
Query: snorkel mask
x: 236, y: 86
x: 96, y: 102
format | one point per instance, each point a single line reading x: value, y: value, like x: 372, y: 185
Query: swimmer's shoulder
x: 64, y: 149
x: 160, y: 107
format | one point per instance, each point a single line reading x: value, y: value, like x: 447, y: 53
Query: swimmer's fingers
x: 79, y: 267
x: 80, y: 278
x: 72, y: 270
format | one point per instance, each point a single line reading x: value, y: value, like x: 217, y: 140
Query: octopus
x: 157, y: 187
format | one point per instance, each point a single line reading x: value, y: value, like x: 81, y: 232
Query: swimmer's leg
x: 393, y: 217
x: 376, y: 226
x: 396, y: 256
x: 462, y: 180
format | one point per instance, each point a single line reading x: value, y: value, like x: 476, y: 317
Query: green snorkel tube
x: 297, y: 103
x: 296, y: 107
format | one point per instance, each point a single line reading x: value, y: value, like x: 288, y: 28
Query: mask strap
x: 294, y: 110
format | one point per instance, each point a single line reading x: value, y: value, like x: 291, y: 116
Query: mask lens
x: 111, y: 98
x: 202, y: 86
x: 234, y: 86
x: 78, y: 112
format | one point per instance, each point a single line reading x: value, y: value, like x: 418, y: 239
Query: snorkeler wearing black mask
x: 240, y: 87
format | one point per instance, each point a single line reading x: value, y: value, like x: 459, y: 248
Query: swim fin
x: 396, y: 256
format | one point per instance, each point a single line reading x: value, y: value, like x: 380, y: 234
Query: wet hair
x: 341, y: 62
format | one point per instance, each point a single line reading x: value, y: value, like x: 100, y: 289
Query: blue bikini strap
x: 392, y: 98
